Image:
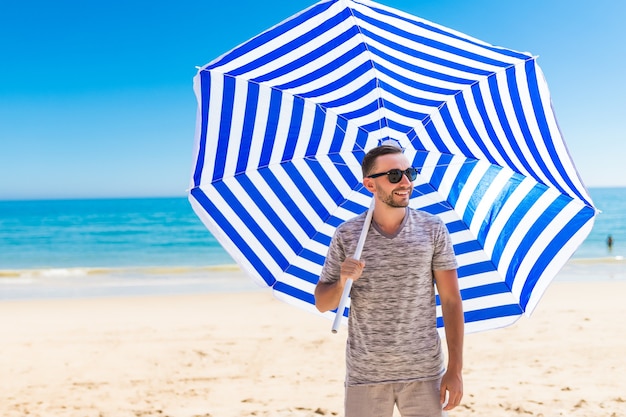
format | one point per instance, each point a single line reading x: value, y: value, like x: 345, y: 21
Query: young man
x: 394, y: 354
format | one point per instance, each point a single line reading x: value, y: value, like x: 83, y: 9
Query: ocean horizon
x: 160, y: 243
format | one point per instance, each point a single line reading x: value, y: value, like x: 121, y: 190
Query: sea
x: 150, y: 246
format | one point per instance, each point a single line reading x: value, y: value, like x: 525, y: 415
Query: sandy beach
x: 247, y: 354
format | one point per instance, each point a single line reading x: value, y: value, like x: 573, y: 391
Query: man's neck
x: 389, y: 219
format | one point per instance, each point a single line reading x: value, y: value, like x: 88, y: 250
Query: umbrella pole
x: 357, y: 255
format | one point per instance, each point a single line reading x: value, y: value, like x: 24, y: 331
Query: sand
x: 247, y: 354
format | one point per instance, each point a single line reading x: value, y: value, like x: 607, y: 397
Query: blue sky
x: 96, y: 98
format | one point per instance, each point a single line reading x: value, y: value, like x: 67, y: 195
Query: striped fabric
x: 285, y: 119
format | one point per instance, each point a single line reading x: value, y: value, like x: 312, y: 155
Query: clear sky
x: 96, y: 97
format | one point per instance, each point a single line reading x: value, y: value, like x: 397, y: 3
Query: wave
x: 77, y: 272
x: 602, y: 260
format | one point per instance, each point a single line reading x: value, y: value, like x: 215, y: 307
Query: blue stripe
x: 408, y: 97
x: 477, y: 268
x: 460, y: 181
x: 311, y: 56
x: 302, y: 184
x: 496, y: 207
x: 415, y: 68
x: 328, y: 24
x: 321, y: 174
x: 335, y: 85
x: 468, y: 122
x: 268, y: 211
x: 401, y: 110
x: 493, y: 137
x: 440, y: 170
x: 331, y: 66
x: 479, y: 193
x: 535, y: 96
x: 294, y: 292
x: 311, y: 256
x: 338, y: 137
x: 359, y: 146
x: 553, y: 248
x: 252, y: 101
x: 409, y: 82
x: 353, y: 97
x: 353, y: 207
x: 533, y: 234
x: 420, y: 159
x: 514, y: 220
x: 205, y: 93
x: 441, y: 31
x: 430, y: 43
x: 226, y: 119
x: 520, y: 115
x: 479, y: 291
x: 317, y: 131
x: 467, y: 247
x: 504, y: 123
x: 271, y: 127
x: 444, y: 111
x: 251, y: 223
x: 291, y: 206
x: 233, y: 236
x: 303, y: 274
x: 293, y: 134
x: 437, y: 208
x: 456, y: 226
x: 488, y: 313
x: 432, y: 132
x: 271, y: 34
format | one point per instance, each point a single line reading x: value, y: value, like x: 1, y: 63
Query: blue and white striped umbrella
x: 285, y: 119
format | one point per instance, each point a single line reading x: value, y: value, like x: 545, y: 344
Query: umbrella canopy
x: 285, y: 119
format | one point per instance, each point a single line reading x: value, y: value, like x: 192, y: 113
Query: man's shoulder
x: 425, y: 216
x: 354, y: 223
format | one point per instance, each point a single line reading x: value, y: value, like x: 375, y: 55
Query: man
x: 394, y: 354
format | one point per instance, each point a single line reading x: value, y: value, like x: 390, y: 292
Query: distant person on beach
x: 609, y: 242
x: 394, y: 355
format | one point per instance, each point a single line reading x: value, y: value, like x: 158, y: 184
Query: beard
x: 395, y: 201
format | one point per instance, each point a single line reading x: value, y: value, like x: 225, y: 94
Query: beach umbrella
x: 285, y: 119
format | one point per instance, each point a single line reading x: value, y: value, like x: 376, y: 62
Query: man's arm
x: 452, y: 311
x: 327, y: 296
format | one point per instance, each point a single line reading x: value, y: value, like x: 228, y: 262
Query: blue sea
x: 99, y: 247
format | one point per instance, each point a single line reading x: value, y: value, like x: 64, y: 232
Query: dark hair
x: 369, y: 160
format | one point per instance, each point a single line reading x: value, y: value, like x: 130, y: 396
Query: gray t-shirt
x: 392, y: 330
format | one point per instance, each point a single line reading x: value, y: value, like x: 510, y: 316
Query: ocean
x: 54, y: 248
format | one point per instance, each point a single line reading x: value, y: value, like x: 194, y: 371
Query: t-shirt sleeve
x: 444, y: 257
x: 334, y: 258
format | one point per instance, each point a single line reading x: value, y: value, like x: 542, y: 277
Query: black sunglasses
x: 395, y: 175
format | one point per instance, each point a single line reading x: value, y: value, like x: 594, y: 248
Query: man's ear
x: 369, y: 184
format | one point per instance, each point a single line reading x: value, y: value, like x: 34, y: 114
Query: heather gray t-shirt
x: 392, y: 330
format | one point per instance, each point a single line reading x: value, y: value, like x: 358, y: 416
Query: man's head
x: 388, y: 175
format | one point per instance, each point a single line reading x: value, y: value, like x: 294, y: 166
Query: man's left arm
x: 452, y: 311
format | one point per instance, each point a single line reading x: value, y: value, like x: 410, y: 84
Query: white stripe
x: 471, y: 183
x: 260, y: 124
x: 487, y: 203
x: 519, y: 137
x: 543, y: 240
x: 505, y: 213
x: 520, y: 231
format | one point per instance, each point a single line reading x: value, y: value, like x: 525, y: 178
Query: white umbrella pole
x: 357, y: 255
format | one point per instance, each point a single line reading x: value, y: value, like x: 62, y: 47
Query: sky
x: 97, y: 101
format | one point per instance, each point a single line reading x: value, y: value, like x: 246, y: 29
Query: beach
x: 248, y: 354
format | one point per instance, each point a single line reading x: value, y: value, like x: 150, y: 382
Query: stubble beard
x: 395, y: 202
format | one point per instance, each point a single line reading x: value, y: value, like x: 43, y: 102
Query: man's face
x: 394, y: 195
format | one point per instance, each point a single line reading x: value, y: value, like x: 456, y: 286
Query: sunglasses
x: 395, y: 175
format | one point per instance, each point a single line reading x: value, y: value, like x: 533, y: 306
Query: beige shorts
x: 413, y: 399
